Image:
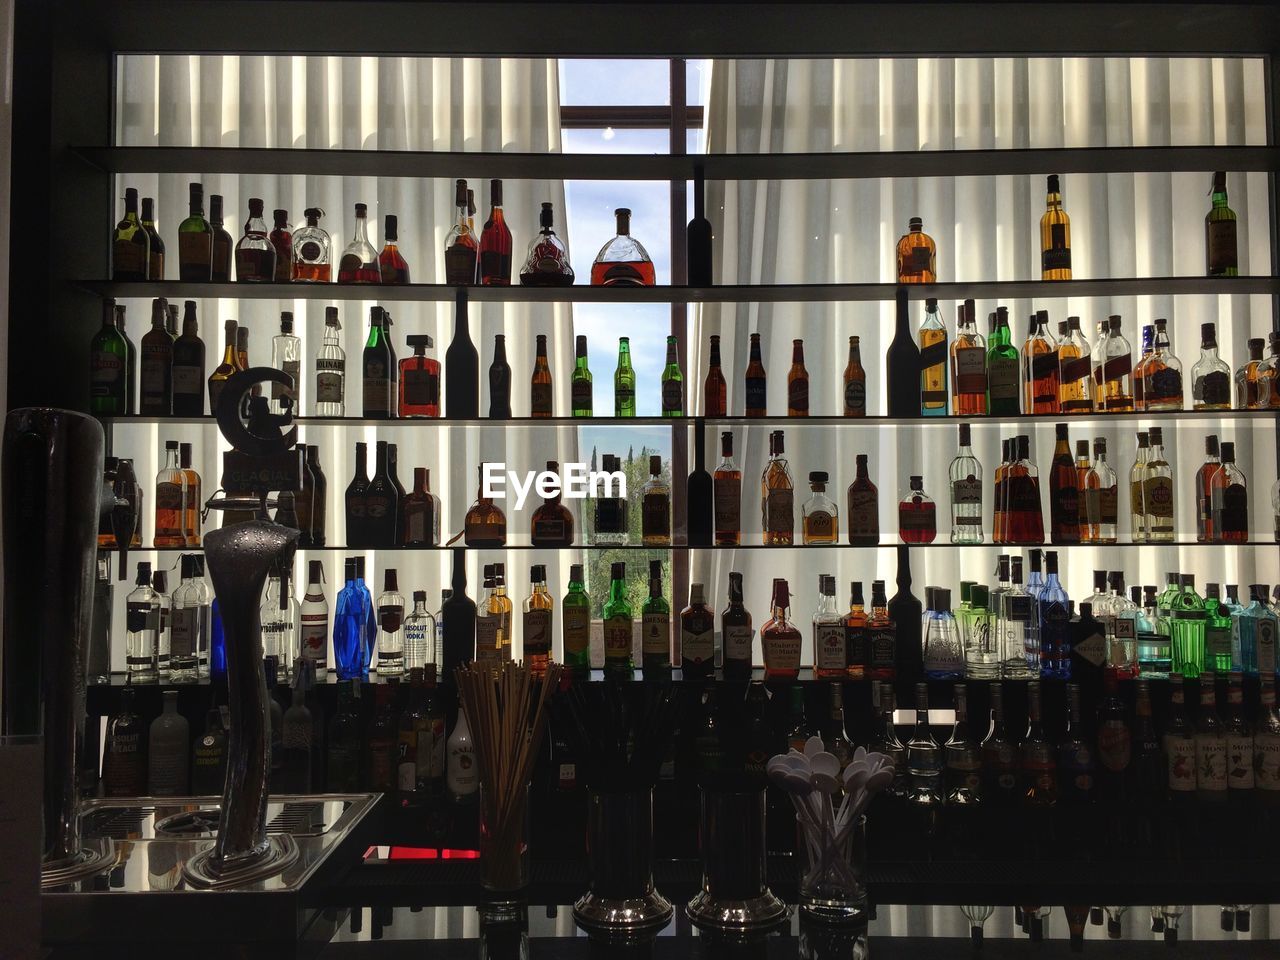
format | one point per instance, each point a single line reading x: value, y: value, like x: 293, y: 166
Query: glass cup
x: 831, y: 874
x: 504, y: 842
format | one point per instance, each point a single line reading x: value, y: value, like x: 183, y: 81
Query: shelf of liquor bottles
x: 740, y: 166
x: 1003, y: 290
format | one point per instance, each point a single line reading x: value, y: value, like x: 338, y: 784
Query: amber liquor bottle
x: 1229, y: 499
x: 917, y: 260
x: 392, y: 267
x: 540, y: 393
x: 902, y: 364
x: 1055, y: 235
x: 1025, y: 517
x: 968, y: 366
x: 171, y: 490
x: 715, y: 390
x: 726, y: 485
x: 485, y: 524
x: 863, y: 501
x: 188, y: 366
x: 855, y: 634
x: 1000, y: 494
x: 855, y: 382
x: 917, y: 514
x: 1205, y: 532
x: 536, y: 622
x: 495, y: 242
x: 552, y: 523
x: 881, y: 637
x: 192, y: 501
x: 655, y: 507
x: 777, y: 496
x: 933, y: 361
x: 1064, y: 492
x: 461, y: 247
x: 697, y: 636
x: 1040, y: 367
x: 282, y: 240
x: 1075, y: 371
x: 1113, y: 380
x: 255, y: 255
x: 1101, y: 497
x: 780, y: 638
x: 797, y: 382
x: 820, y: 519
x: 421, y: 521
x: 155, y: 371
x: 756, y: 402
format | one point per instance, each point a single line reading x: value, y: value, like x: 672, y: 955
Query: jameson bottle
x: 575, y: 620
x: 736, y: 633
x: 499, y: 381
x: 617, y: 625
x: 655, y: 619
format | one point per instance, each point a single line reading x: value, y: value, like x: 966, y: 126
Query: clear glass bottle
x: 1101, y: 496
x: 1161, y: 374
x: 1137, y: 503
x: 1229, y: 500
x: 820, y: 516
x: 314, y: 621
x: 286, y: 356
x: 359, y: 260
x: 979, y: 636
x: 1017, y: 627
x: 311, y: 250
x: 1053, y: 659
x: 1157, y: 491
x: 623, y: 261
x: 391, y: 638
x: 830, y: 652
x: 1210, y: 376
x: 777, y: 496
x: 1248, y: 383
x: 1115, y: 388
x: 963, y: 757
x: 255, y: 255
x: 943, y: 652
x: 188, y: 624
x: 924, y: 756
x: 331, y: 369
x: 279, y: 624
x: 419, y: 634
x: 547, y: 262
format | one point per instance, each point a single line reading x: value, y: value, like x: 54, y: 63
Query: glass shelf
x: 682, y: 547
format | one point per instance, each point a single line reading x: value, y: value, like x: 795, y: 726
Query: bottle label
x: 1221, y: 243
x: 918, y: 260
x: 460, y: 264
x: 330, y: 374
x: 1181, y: 755
x: 106, y: 369
x: 537, y: 632
x: 431, y: 746
x: 830, y: 652
x: 580, y: 394
x: 778, y: 512
x: 1266, y: 761
x: 964, y: 768
x: 407, y: 767
x: 1217, y: 641
x: 1157, y: 495
x: 187, y: 380
x: 138, y: 616
x: 184, y: 625
x: 855, y: 398
x: 128, y: 257
x: 1038, y: 760
x: 487, y: 638
x: 391, y: 616
x: 1058, y: 255
x: 1136, y: 506
x: 415, y: 516
x: 1066, y: 505
x: 755, y: 393
x: 728, y: 503
x: 1234, y: 512
x: 655, y: 635
x: 540, y: 398
x: 1017, y: 607
x: 623, y: 396
x: 168, y: 497
x: 1024, y: 495
x: 967, y: 492
x: 1044, y: 365
x: 617, y: 639
x: 421, y: 388
x: 821, y: 525
x: 917, y: 516
x: 697, y: 637
x: 577, y: 631
x: 549, y: 525
x: 737, y: 642
x: 1073, y: 369
x: 1102, y: 505
x: 672, y: 396
x: 656, y: 515
x: 855, y: 645
x: 377, y: 390
x: 1211, y: 762
x: 1114, y: 745
x: 970, y: 370
x: 798, y: 395
x: 611, y: 515
x: 1213, y: 389
x: 1003, y: 379
x: 315, y: 637
x: 882, y: 643
x: 376, y: 506
x: 864, y: 514
x: 1264, y: 635
x: 943, y: 657
x: 1077, y: 767
x: 1163, y: 385
x: 781, y: 651
x: 195, y: 252
x: 1239, y: 761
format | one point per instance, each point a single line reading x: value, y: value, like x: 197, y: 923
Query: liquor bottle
x: 331, y: 366
x: 1017, y: 625
x: 698, y: 239
x: 1113, y: 381
x: 187, y: 367
x: 536, y: 622
x: 378, y: 376
x: 800, y: 729
x: 1055, y: 236
x: 916, y: 256
x: 855, y: 382
x: 461, y: 247
x: 390, y: 627
x: 903, y: 366
x: 999, y: 755
x: 968, y: 366
x: 777, y: 496
x: 655, y: 506
x: 580, y: 380
x: 623, y: 261
x: 1187, y: 629
x: 392, y: 267
x: 311, y: 249
x: 499, y: 381
x: 462, y: 370
x: 697, y: 635
x: 381, y: 521
x: 1157, y: 491
x: 797, y: 382
x: 1040, y: 367
x: 552, y: 524
x: 195, y: 241
x: 962, y: 774
x: 1240, y: 752
x: 1210, y: 747
x: 1026, y: 520
x: 863, y: 501
x: 420, y: 524
x: 780, y: 638
x: 1250, y: 389
x: 209, y: 758
x: 756, y: 382
x: 924, y: 757
x: 617, y: 617
x: 419, y: 637
x: 1064, y: 492
x: 255, y: 255
x: 672, y: 382
x: 736, y: 633
x: 1055, y: 623
x: 130, y: 243
x: 1115, y: 750
x: 286, y: 356
x: 1218, y: 630
x: 1137, y: 503
x: 458, y: 619
x: 168, y: 755
x: 1269, y: 375
x: 356, y: 501
x: 419, y: 380
x: 462, y: 776
x: 834, y: 738
x: 1229, y: 500
x: 278, y: 614
x: 344, y: 741
x: 881, y: 637
x: 906, y: 612
x: 933, y: 361
x: 108, y: 367
x: 820, y: 518
x: 485, y: 525
x: 611, y: 525
x: 1140, y: 368
x: 1122, y: 631
x: 575, y: 621
x: 1075, y: 377
x: 1002, y: 369
x: 1101, y: 498
x: 131, y: 365
x: 489, y: 646
x: 830, y: 651
x: 282, y: 241
x: 885, y: 738
x: 547, y: 262
x: 1039, y: 763
x: 655, y: 625
x: 1254, y: 638
x: 188, y: 625
x: 1161, y: 374
x: 715, y: 390
x: 1179, y: 745
x: 980, y: 636
x: 1266, y: 746
x: 314, y: 621
x: 495, y: 242
x: 917, y: 515
x: 1221, y: 259
x: 171, y: 489
x: 966, y: 492
x: 540, y: 388
x: 142, y: 626
x: 222, y: 244
x: 192, y: 500
x: 315, y: 489
x: 155, y: 379
x: 943, y: 652
x: 1210, y: 376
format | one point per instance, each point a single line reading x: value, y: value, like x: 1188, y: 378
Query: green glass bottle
x: 130, y: 244
x: 108, y: 367
x: 580, y: 382
x: 195, y: 241
x: 1217, y: 631
x: 672, y: 383
x: 617, y: 625
x: 575, y: 616
x: 1186, y: 632
x: 655, y: 617
x: 1221, y: 258
x: 1002, y: 368
x: 624, y: 382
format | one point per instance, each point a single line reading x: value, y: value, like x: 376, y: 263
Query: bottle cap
x: 361, y: 210
x: 855, y: 593
x: 538, y: 573
x: 419, y: 596
x: 1060, y: 431
x: 942, y: 599
x: 1052, y: 183
x: 979, y: 596
x: 931, y: 303
x: 818, y: 476
x: 696, y: 596
x: 1228, y: 452
x: 1082, y: 449
x: 964, y: 435
x: 915, y: 223
x: 617, y: 571
x: 390, y: 229
x: 655, y: 464
x: 575, y: 572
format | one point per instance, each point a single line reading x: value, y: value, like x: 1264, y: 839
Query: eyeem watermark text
x: 575, y: 482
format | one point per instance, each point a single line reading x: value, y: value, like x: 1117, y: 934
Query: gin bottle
x: 966, y: 492
x: 142, y: 625
x: 924, y: 756
x: 943, y: 652
x: 1017, y: 623
x: 1054, y: 659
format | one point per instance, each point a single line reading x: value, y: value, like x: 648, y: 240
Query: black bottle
x: 902, y: 362
x: 698, y: 236
x: 499, y: 381
x: 397, y: 531
x: 380, y: 502
x: 378, y: 369
x: 124, y: 758
x: 188, y: 367
x: 700, y: 511
x: 304, y: 500
x: 459, y: 616
x: 356, y: 500
x: 906, y: 612
x: 320, y: 487
x: 461, y: 369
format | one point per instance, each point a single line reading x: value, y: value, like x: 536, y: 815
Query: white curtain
x: 986, y: 228
x: 364, y: 103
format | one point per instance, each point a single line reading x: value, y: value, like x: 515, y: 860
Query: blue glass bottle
x: 370, y: 617
x: 1055, y: 624
x: 1257, y: 632
x: 348, y: 629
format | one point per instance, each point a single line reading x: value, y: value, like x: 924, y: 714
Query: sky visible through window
x: 591, y: 223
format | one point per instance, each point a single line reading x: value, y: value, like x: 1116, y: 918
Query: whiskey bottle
x: 331, y: 369
x: 1101, y: 497
x: 1025, y: 518
x: 697, y: 636
x: 618, y: 634
x: 461, y: 247
x: 1002, y: 369
x: 390, y: 627
x: 1249, y: 386
x: 1229, y: 499
x: 917, y: 514
x: 1157, y: 491
x: 1064, y: 492
x: 1139, y: 369
x: 355, y: 500
x: 881, y: 637
x: 1210, y: 376
x: 968, y: 366
x: 536, y: 622
x: 108, y: 367
x: 698, y: 256
x: 655, y: 628
x: 255, y: 256
x: 419, y: 380
x: 461, y: 369
x: 672, y: 382
x: 485, y: 525
x: 624, y: 381
x: 777, y: 497
x: 195, y: 240
x: 736, y: 633
x: 392, y: 267
x: 540, y: 392
x: 1206, y: 532
x: 699, y: 494
x: 906, y: 612
x: 171, y: 490
x: 1055, y: 235
x: 855, y: 634
x: 282, y: 240
x: 1221, y: 258
x: 902, y: 363
x: 580, y: 380
x: 130, y: 243
x: 855, y: 382
x: 966, y: 492
x: 797, y: 382
x: 611, y: 512
x: 575, y: 624
x: 1137, y: 504
x: 715, y: 389
x: 1113, y: 381
x: 501, y: 602
x: 863, y: 500
x: 622, y: 261
x: 755, y: 379
x: 547, y: 262
x: 727, y: 487
x: 916, y: 255
x: 495, y: 243
x: 933, y: 361
x: 378, y: 375
x: 963, y: 758
x: 311, y: 249
x: 192, y: 500
x: 552, y: 523
x: 820, y: 517
x: 655, y: 506
x: 488, y: 620
x: 1161, y: 374
x: 187, y: 369
x: 223, y: 244
x: 1039, y: 762
x: 1269, y: 375
x: 155, y: 374
x: 1075, y: 375
x: 780, y: 638
x: 421, y: 522
x: 1040, y: 367
x: 499, y: 381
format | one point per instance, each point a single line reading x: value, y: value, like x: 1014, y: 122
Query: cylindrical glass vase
x: 622, y: 901
x: 504, y: 841
x: 735, y: 893
x: 831, y: 872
